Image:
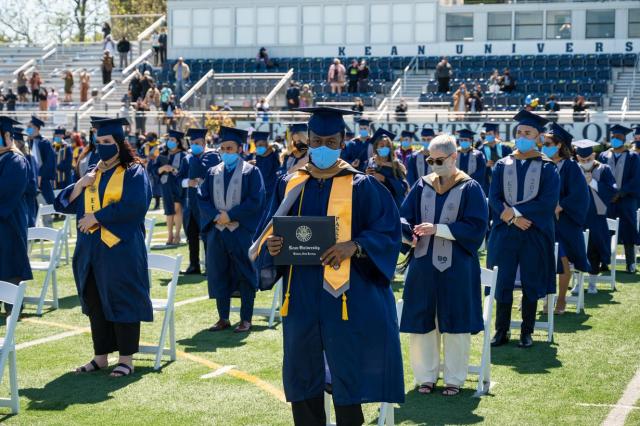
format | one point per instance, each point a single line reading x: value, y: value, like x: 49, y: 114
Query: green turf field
x: 572, y: 381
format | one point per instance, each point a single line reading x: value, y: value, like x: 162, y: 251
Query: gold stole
x: 112, y: 194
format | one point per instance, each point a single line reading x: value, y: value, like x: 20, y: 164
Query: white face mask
x: 587, y: 166
x: 446, y: 170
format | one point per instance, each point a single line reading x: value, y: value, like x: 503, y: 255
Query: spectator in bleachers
x: 352, y: 76
x: 182, y: 72
x: 135, y: 86
x: 106, y: 30
x: 152, y: 98
x: 494, y: 82
x: 145, y: 66
x: 336, y: 76
x: 141, y: 119
x: 226, y: 106
x: 110, y: 45
x: 163, y: 45
x: 263, y: 62
x: 1, y: 100
x: 107, y: 67
x: 306, y: 96
x: 579, y: 108
x: 551, y: 105
x: 35, y: 82
x: 293, y: 95
x: 155, y: 45
x: 363, y: 77
x: 52, y: 100
x: 507, y: 81
x: 262, y: 110
x: 68, y: 86
x: 42, y: 99
x: 10, y: 99
x: 23, y: 90
x: 474, y: 102
x: 85, y: 80
x: 443, y: 75
x: 124, y: 47
x: 358, y: 107
x: 460, y: 97
x: 145, y: 84
x: 401, y: 111
x: 165, y: 95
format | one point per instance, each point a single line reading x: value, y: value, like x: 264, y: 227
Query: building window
x: 333, y: 24
x: 201, y: 27
x: 288, y: 25
x: 355, y: 28
x: 380, y: 31
x: 528, y: 25
x: 499, y: 26
x: 601, y: 23
x: 459, y: 26
x: 266, y: 17
x: 425, y: 26
x: 312, y: 25
x: 634, y: 23
x: 181, y: 27
x: 402, y: 23
x: 222, y: 31
x: 245, y: 26
x: 558, y: 24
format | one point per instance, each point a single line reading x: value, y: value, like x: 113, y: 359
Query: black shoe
x: 328, y: 388
x: 500, y: 338
x: 525, y: 340
x: 192, y: 270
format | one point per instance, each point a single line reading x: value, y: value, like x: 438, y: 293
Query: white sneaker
x: 592, y: 288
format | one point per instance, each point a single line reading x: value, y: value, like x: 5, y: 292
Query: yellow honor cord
x: 112, y: 194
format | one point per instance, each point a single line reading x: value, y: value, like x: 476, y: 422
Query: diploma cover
x: 306, y: 238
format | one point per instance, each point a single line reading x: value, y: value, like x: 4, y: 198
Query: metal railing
x: 196, y: 87
x: 409, y: 68
x: 279, y: 86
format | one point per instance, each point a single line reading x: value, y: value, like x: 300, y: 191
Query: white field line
x: 625, y: 404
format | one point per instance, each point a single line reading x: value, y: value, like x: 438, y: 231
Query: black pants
x: 310, y: 412
x: 630, y: 254
x: 109, y: 336
x: 106, y: 76
x: 353, y: 86
x: 593, y: 255
x: 193, y: 239
x: 443, y: 85
x: 529, y: 308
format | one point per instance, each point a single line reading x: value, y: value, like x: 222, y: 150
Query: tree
x: 132, y: 26
x: 17, y: 25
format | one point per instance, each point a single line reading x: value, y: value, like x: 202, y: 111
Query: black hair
x: 126, y: 153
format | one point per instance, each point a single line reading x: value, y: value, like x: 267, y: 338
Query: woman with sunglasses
x: 385, y: 167
x: 571, y: 211
x: 110, y: 260
x: 446, y: 214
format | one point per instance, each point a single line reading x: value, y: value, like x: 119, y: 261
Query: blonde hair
x: 445, y: 143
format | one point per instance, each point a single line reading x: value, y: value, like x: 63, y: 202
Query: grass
x: 591, y: 361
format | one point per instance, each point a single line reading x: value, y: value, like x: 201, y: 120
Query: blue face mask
x: 197, y: 149
x: 616, y: 143
x: 549, y: 151
x: 261, y: 150
x: 1, y: 141
x: 230, y: 159
x: 425, y: 145
x: 324, y: 157
x: 30, y: 131
x: 363, y: 134
x: 490, y: 138
x: 94, y: 139
x: 465, y: 144
x: 384, y: 151
x: 57, y: 139
x: 405, y: 144
x: 525, y: 145
x: 172, y: 145
x: 106, y: 152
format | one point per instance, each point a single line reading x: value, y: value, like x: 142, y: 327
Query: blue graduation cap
x: 584, y: 147
x: 298, y: 127
x: 349, y: 134
x: 111, y: 126
x: 526, y: 118
x: 620, y: 130
x: 37, y: 122
x: 175, y: 134
x: 7, y: 123
x: 196, y: 134
x: 364, y: 122
x: 560, y: 133
x: 427, y: 132
x: 232, y: 134
x: 60, y: 131
x: 466, y: 134
x: 408, y: 134
x: 17, y: 134
x: 260, y: 136
x: 636, y: 131
x: 490, y: 127
x: 326, y: 121
x: 380, y: 133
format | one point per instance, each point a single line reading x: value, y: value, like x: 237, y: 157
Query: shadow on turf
x: 438, y: 409
x: 541, y: 358
x: 72, y: 389
x: 207, y: 341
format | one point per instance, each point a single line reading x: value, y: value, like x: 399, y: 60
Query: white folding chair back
x: 44, y: 210
x: 169, y: 265
x: 47, y: 210
x: 149, y: 225
x: 614, y: 226
x: 577, y: 278
x: 47, y: 264
x: 488, y: 279
x: 270, y: 313
x: 13, y: 294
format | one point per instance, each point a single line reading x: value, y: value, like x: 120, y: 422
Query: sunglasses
x: 437, y: 161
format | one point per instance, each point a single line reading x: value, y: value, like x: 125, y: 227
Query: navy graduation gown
x: 454, y: 295
x: 198, y: 167
x: 14, y: 175
x: 31, y: 192
x: 64, y: 158
x: 268, y: 166
x: 599, y: 235
x: 363, y: 353
x: 120, y: 272
x: 357, y: 149
x: 397, y: 186
x: 47, y: 171
x: 629, y: 197
x: 227, y: 256
x: 533, y: 249
x: 285, y: 169
x: 480, y: 173
x: 172, y: 190
x: 574, y: 200
x: 493, y: 153
x: 412, y: 169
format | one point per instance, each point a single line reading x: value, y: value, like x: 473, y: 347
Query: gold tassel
x: 284, y: 309
x: 345, y: 314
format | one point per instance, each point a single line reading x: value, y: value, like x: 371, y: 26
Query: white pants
x: 424, y: 354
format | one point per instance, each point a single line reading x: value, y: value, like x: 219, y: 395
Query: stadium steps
x: 621, y: 87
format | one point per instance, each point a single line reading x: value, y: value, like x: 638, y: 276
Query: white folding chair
x: 551, y: 303
x: 13, y: 294
x: 149, y: 225
x: 171, y: 265
x: 47, y: 210
x: 614, y: 226
x: 577, y: 278
x: 47, y: 264
x: 270, y: 313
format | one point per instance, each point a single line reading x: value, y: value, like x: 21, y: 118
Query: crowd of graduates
x: 431, y: 199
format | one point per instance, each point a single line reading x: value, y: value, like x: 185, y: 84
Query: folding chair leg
x: 66, y: 249
x: 13, y: 382
x: 386, y: 417
x: 551, y: 306
x: 43, y: 294
x: 275, y: 303
x: 327, y: 408
x: 54, y: 288
x: 580, y: 304
x: 163, y: 337
x: 172, y: 335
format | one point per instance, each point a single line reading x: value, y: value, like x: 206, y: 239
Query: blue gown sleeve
x: 548, y: 195
x: 481, y: 171
x: 576, y: 201
x: 183, y: 170
x: 496, y: 197
x: 32, y: 185
x: 411, y: 170
x: 62, y: 205
x: 65, y: 164
x: 14, y: 183
x: 631, y: 183
x: 48, y: 158
x: 470, y: 230
x: 253, y: 203
x: 208, y: 211
x: 606, y: 185
x: 409, y: 211
x: 136, y: 196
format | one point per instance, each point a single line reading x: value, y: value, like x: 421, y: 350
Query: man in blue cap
x: 45, y: 158
x: 406, y: 146
x: 523, y: 197
x: 359, y: 150
x: 417, y: 165
x: 470, y: 160
x: 31, y: 192
x: 358, y: 337
x: 267, y: 160
x: 625, y: 165
x: 231, y: 201
x: 200, y: 161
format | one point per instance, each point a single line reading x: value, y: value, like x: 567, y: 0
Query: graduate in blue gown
x: 443, y: 297
x: 602, y: 188
x: 625, y: 165
x: 110, y: 258
x: 149, y: 152
x: 571, y: 211
x: 200, y: 161
x: 171, y: 168
x: 64, y: 159
x: 14, y: 175
x: 231, y: 201
x: 405, y: 151
x: 296, y: 155
x: 348, y: 315
x: 42, y: 151
x: 267, y: 160
x: 359, y: 149
x: 470, y: 160
x: 523, y: 196
x: 493, y: 149
x: 31, y: 191
x: 385, y: 167
x: 636, y: 140
x: 88, y: 157
x: 417, y: 164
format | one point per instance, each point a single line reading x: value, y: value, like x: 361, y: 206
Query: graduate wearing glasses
x: 417, y: 164
x: 386, y: 168
x: 344, y: 308
x: 267, y: 160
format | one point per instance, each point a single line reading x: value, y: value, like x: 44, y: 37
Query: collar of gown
x: 339, y: 167
x: 435, y: 182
